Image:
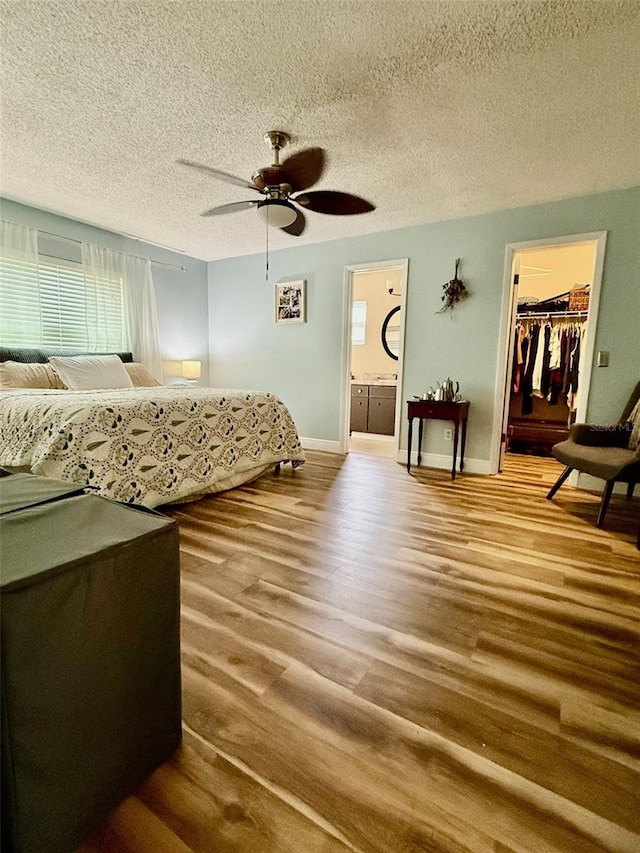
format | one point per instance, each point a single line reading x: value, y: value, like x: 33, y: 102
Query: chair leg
x: 559, y: 482
x: 630, y: 488
x: 604, y: 503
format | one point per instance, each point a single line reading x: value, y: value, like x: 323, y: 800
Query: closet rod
x: 73, y: 240
x: 541, y: 314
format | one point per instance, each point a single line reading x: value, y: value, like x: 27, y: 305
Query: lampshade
x: 191, y: 369
x: 277, y: 213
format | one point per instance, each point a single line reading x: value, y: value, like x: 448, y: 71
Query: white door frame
x: 510, y: 344
x: 507, y: 318
x: 401, y: 264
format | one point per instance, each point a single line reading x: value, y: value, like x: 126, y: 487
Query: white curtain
x: 141, y: 319
x: 20, y: 240
x: 20, y: 320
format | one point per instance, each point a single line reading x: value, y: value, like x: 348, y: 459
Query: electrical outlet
x: 448, y: 435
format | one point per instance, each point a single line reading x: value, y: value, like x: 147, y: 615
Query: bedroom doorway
x: 552, y: 290
x: 373, y: 349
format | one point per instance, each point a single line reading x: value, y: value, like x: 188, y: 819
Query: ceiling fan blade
x: 304, y: 169
x: 334, y: 203
x: 297, y: 226
x: 234, y: 207
x: 221, y: 176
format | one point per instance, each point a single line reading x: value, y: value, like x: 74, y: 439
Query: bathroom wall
x: 372, y: 287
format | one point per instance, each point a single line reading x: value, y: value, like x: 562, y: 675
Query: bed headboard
x: 41, y: 356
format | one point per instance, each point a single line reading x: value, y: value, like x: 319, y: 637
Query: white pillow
x: 90, y: 372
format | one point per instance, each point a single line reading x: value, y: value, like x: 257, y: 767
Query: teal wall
x: 181, y: 296
x: 302, y: 363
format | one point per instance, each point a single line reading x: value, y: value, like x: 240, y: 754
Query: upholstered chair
x: 604, y: 452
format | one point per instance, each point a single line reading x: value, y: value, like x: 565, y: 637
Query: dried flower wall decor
x: 454, y: 291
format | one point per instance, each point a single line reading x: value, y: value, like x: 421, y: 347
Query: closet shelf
x: 544, y: 314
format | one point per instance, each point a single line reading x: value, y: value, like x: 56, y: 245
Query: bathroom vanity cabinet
x: 373, y: 408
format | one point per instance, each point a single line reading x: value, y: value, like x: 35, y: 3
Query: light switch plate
x: 603, y: 358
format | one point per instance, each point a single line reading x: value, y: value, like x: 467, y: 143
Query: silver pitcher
x: 449, y: 389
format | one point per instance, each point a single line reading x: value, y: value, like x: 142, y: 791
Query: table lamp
x: 191, y: 370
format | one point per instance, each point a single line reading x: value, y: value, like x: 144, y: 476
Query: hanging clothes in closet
x: 547, y: 360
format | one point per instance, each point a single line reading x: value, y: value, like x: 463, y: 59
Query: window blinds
x: 54, y: 305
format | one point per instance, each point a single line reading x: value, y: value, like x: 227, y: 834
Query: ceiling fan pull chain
x: 267, y: 252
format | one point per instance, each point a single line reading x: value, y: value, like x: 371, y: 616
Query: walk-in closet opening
x: 549, y: 360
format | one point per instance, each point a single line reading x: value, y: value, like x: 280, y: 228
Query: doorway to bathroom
x: 374, y: 342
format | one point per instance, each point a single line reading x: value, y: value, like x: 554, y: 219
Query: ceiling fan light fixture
x: 276, y: 183
x: 277, y: 212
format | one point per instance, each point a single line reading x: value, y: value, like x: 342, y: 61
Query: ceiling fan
x: 278, y: 183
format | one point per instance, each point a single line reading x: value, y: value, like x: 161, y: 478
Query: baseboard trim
x: 439, y: 460
x: 429, y: 460
x: 320, y: 444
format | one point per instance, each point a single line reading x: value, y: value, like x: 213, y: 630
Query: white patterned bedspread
x: 149, y: 446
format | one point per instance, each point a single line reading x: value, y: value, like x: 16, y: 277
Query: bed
x: 145, y: 445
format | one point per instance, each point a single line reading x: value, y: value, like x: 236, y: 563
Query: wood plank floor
x: 384, y: 663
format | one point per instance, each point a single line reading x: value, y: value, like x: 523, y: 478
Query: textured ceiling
x: 433, y: 110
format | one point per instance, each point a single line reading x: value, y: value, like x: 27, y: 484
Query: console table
x: 441, y: 411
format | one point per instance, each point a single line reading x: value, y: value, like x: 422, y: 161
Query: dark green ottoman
x: 90, y: 658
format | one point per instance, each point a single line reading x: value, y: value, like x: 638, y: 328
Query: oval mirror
x: 391, y: 333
